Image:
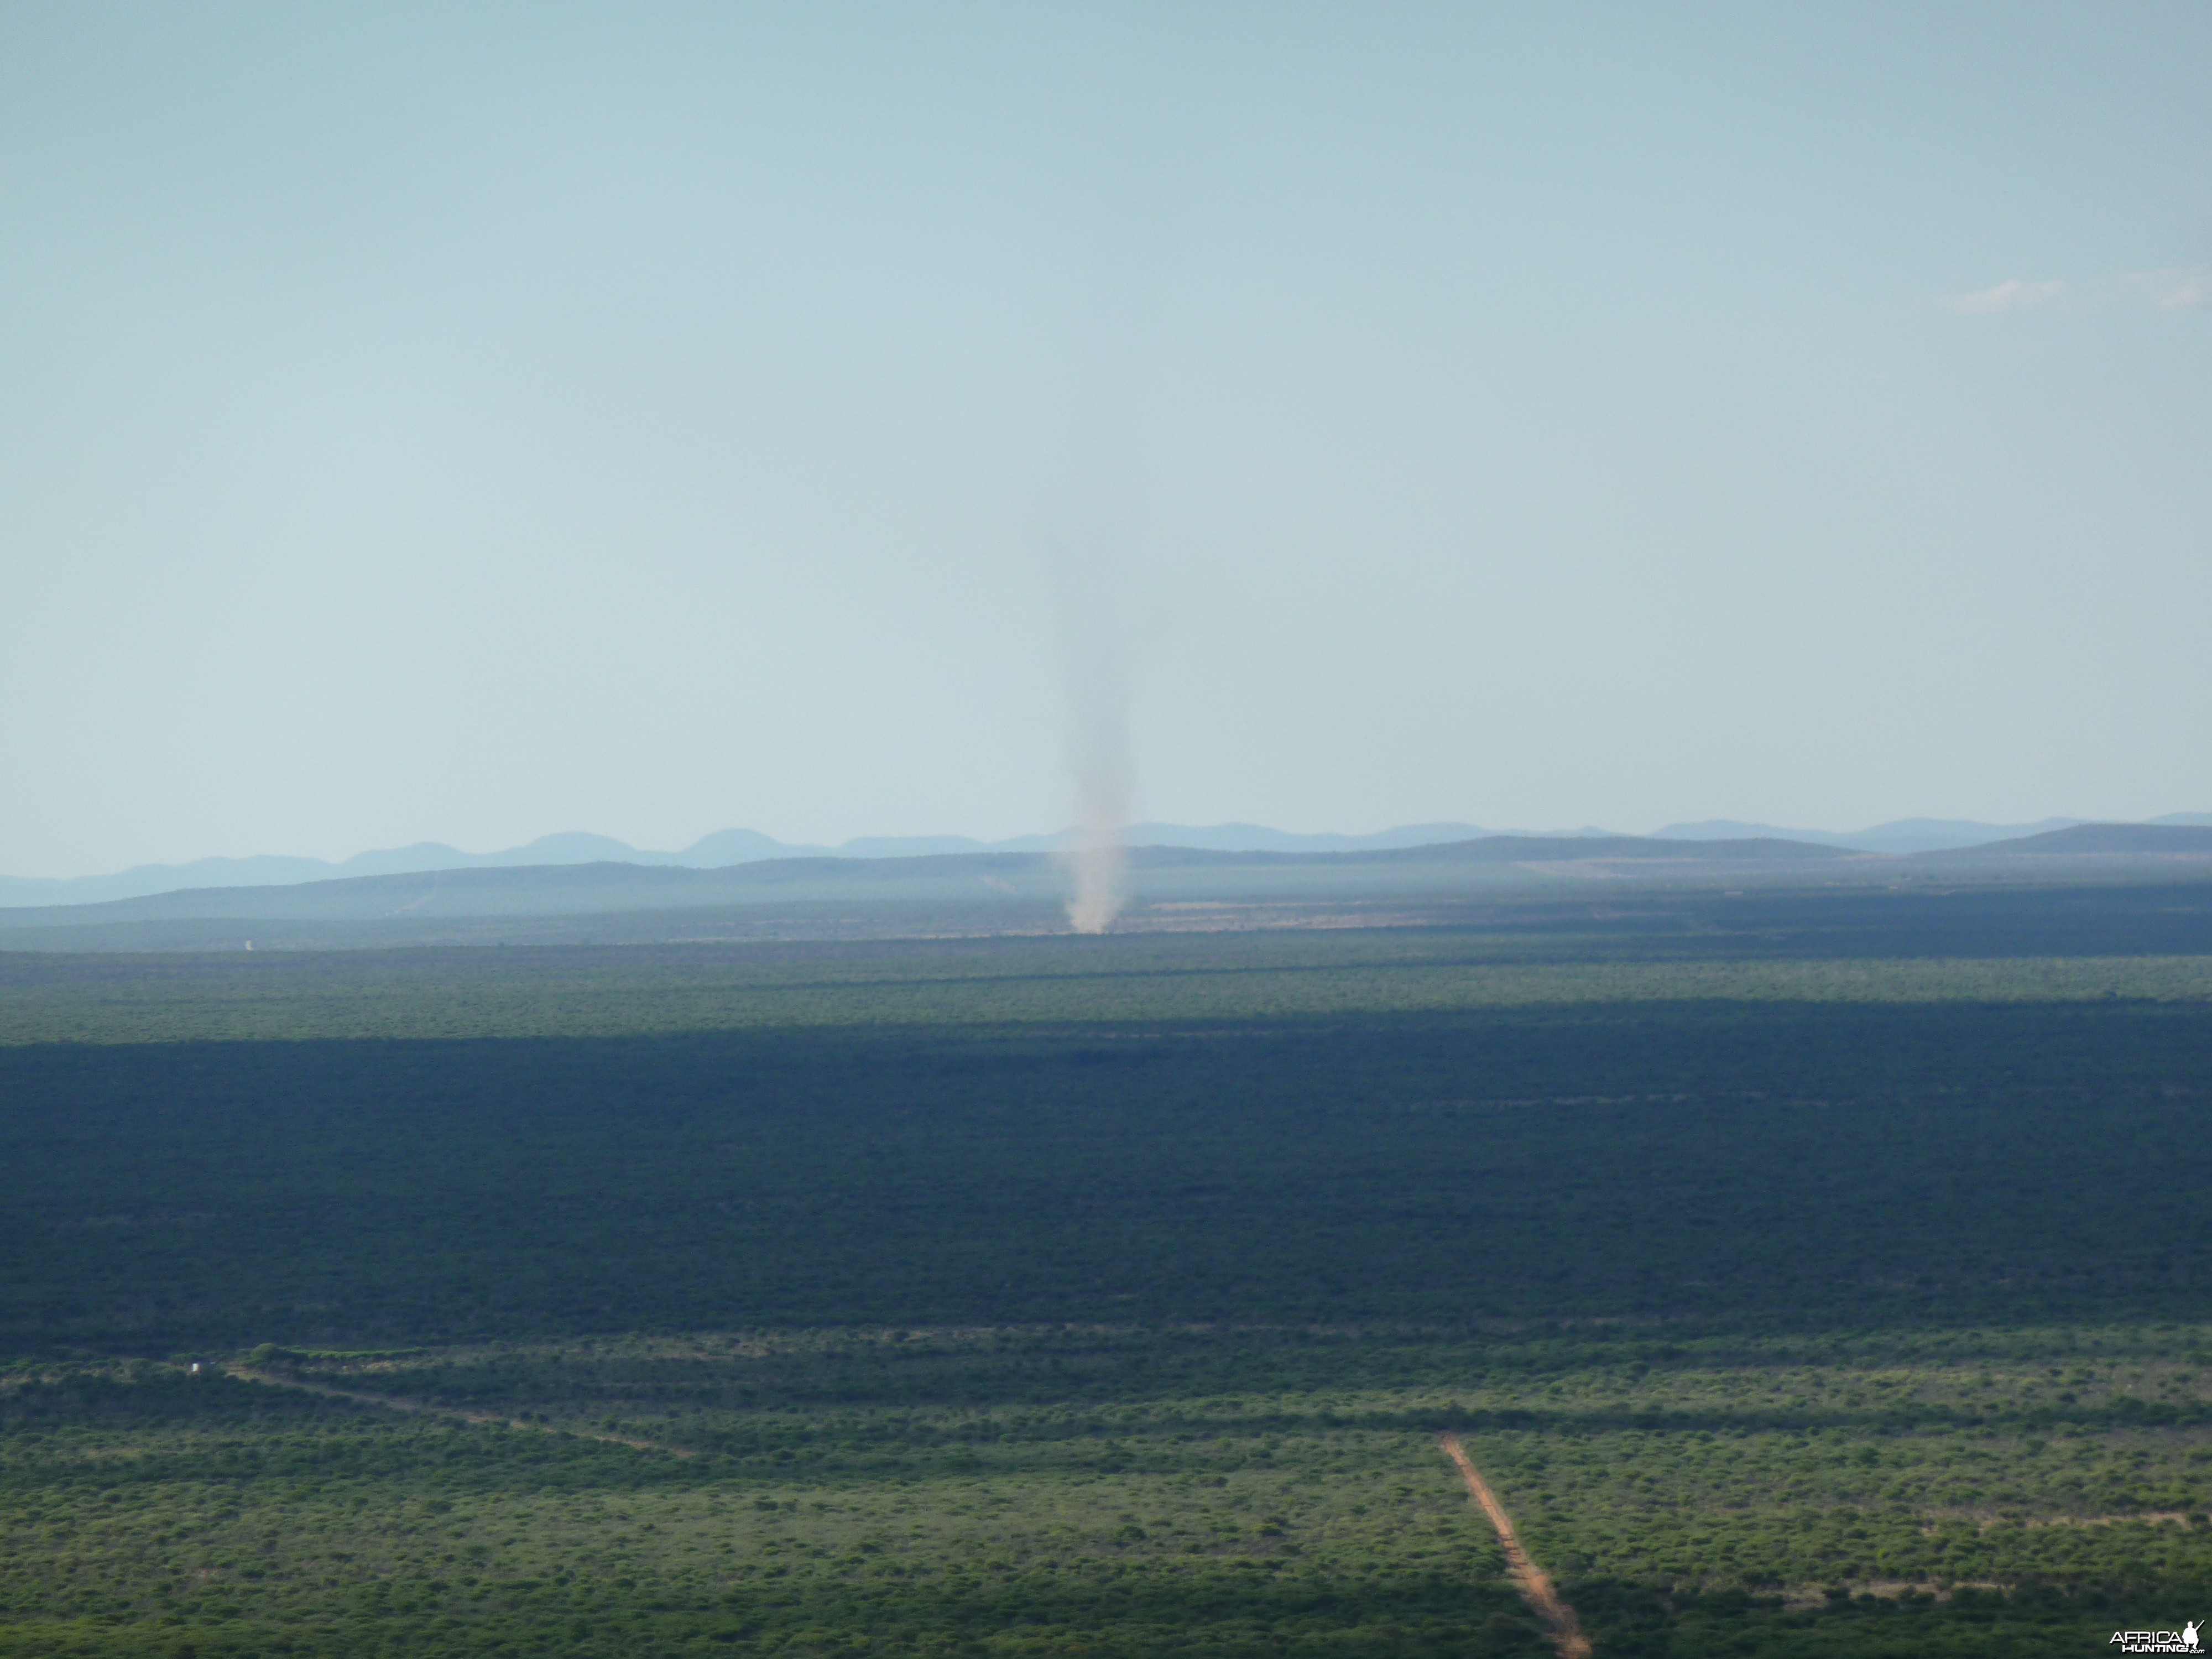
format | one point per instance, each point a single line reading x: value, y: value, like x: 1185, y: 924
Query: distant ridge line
x: 2137, y: 840
x: 717, y: 851
x: 520, y: 886
x: 728, y: 847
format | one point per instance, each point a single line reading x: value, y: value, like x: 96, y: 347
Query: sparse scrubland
x: 1815, y: 1274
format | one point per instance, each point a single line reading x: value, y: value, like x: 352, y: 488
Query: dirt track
x: 393, y: 1403
x: 1558, y: 1617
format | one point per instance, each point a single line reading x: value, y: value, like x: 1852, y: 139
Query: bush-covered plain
x: 1116, y: 1490
x: 1045, y: 1296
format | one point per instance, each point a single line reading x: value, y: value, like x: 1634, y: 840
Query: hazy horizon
x: 435, y: 424
x: 1230, y: 833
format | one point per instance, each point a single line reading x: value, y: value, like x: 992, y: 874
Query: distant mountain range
x: 2138, y: 841
x: 726, y: 847
x: 718, y: 851
x: 1901, y: 834
x: 991, y: 879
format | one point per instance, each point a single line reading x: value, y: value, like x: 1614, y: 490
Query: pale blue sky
x: 469, y: 423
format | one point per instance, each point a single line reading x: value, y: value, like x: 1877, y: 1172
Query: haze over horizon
x: 733, y: 845
x: 1151, y: 831
x: 423, y: 424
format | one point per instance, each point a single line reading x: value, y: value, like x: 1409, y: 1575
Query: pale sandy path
x: 1558, y: 1617
x: 392, y: 1402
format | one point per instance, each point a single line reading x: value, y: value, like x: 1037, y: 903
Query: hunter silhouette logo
x: 2187, y: 1639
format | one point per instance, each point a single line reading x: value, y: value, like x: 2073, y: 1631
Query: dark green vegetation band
x: 1759, y: 1163
x: 1111, y: 1309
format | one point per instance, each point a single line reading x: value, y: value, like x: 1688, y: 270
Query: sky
x: 465, y: 422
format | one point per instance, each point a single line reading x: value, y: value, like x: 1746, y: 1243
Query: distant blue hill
x: 1901, y: 835
x: 722, y: 849
x: 725, y: 847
